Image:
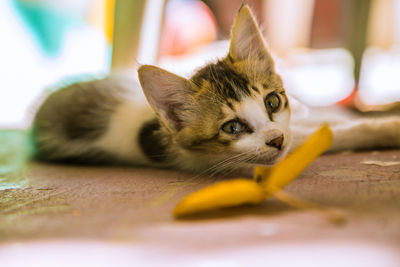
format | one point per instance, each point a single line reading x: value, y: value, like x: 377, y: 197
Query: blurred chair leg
x: 130, y: 42
x: 359, y: 15
x: 126, y: 34
x: 288, y: 24
x: 379, y: 85
x: 382, y: 23
x: 152, y: 26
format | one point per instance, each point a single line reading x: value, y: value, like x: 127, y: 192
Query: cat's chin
x: 270, y: 158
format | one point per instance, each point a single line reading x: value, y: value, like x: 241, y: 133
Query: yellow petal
x: 242, y: 191
x: 288, y: 169
x: 261, y: 173
x: 223, y: 194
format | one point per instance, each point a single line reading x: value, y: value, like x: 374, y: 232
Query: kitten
x: 228, y: 114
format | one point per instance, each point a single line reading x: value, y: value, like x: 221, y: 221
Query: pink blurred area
x: 189, y: 25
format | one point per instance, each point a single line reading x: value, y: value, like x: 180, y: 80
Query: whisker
x: 212, y: 169
x: 232, y: 166
x: 228, y: 163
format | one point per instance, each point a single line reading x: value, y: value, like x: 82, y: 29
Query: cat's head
x: 233, y: 109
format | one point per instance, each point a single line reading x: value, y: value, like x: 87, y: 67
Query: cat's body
x: 229, y: 113
x: 105, y: 121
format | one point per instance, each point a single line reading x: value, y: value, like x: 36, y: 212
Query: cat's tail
x: 47, y: 147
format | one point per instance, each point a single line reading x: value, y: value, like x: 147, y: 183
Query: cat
x: 231, y: 113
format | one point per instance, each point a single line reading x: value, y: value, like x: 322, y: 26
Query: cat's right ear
x: 167, y: 94
x: 247, y: 42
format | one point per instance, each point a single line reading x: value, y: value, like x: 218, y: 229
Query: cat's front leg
x: 369, y: 133
x: 359, y: 134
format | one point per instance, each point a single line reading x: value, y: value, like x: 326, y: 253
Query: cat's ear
x: 247, y: 41
x: 167, y: 94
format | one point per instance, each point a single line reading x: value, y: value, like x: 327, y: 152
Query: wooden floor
x: 56, y: 215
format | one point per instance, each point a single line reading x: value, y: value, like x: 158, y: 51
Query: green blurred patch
x: 15, y: 149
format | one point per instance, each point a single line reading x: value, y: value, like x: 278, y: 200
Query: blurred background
x: 344, y: 52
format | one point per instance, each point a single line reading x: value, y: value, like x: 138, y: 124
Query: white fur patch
x: 122, y: 136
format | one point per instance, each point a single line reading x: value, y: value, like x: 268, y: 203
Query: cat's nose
x: 276, y: 142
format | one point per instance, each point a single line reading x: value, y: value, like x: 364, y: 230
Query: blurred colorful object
x: 189, y: 24
x: 47, y: 23
x: 14, y: 151
x: 109, y: 6
x: 100, y: 15
x: 318, y: 77
x: 39, y: 52
x: 379, y: 84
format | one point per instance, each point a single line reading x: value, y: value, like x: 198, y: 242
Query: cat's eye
x: 234, y: 127
x: 272, y: 102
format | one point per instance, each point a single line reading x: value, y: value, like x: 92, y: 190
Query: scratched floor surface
x: 125, y: 213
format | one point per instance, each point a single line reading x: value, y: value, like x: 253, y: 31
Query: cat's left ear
x: 247, y: 42
x: 167, y: 93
